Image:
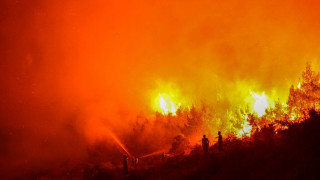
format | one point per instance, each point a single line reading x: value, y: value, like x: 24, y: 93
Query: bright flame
x: 293, y: 117
x: 163, y: 104
x: 299, y: 86
x: 167, y: 105
x: 260, y: 105
x: 246, y: 129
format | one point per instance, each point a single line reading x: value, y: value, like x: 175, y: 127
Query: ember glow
x: 154, y: 73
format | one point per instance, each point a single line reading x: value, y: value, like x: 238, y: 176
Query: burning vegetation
x: 258, y: 110
x: 262, y: 128
x: 127, y: 89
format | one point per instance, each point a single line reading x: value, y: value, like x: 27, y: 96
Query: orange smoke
x: 114, y: 137
x: 71, y: 70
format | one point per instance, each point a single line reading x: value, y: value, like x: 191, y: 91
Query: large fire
x: 262, y: 110
x: 93, y: 80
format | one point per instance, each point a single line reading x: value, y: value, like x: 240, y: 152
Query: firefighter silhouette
x: 205, y: 144
x: 219, y: 141
x: 125, y: 164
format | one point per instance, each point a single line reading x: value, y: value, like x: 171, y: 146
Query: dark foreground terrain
x: 292, y: 153
x: 289, y: 154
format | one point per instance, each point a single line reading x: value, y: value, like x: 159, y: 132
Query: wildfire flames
x: 166, y: 105
x: 261, y: 109
x: 261, y: 104
x: 85, y: 82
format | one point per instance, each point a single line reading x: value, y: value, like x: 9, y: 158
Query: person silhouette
x: 125, y: 164
x: 220, y: 141
x: 205, y: 144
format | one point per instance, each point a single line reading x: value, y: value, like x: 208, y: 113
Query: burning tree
x: 306, y: 96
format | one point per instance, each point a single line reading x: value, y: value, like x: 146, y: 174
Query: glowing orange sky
x: 93, y: 60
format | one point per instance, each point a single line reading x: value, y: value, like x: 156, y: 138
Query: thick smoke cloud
x: 71, y: 71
